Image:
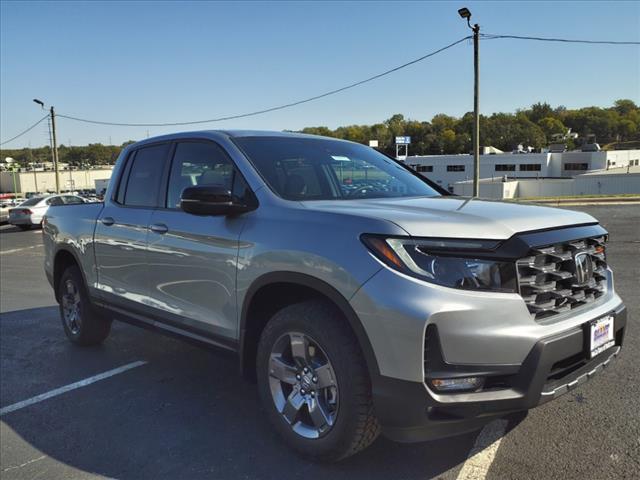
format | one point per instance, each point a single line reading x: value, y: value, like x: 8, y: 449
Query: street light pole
x: 465, y: 13
x: 54, y: 149
x: 476, y: 110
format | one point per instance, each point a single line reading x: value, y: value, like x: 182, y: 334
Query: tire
x: 353, y: 425
x: 24, y: 227
x: 82, y: 323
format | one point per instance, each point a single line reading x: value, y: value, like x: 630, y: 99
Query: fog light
x: 454, y: 384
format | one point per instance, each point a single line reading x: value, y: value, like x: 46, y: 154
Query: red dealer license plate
x: 601, y: 335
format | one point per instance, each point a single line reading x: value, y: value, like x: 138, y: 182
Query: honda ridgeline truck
x: 360, y: 296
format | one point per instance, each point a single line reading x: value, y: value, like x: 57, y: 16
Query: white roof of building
x: 615, y: 171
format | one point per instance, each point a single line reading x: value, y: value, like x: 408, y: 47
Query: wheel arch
x: 63, y: 259
x: 275, y: 290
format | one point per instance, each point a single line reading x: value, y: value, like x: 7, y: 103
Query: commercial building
x: 22, y: 182
x: 447, y: 170
x: 558, y: 169
x: 614, y: 181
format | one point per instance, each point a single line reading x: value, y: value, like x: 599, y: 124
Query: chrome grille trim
x: 547, y: 277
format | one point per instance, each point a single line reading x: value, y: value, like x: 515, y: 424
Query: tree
x: 539, y: 111
x: 624, y: 106
x: 324, y: 131
x: 627, y: 129
x: 551, y: 126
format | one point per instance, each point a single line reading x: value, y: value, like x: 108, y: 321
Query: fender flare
x: 72, y: 252
x: 324, y: 289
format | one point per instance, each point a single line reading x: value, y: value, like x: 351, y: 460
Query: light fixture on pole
x: 466, y: 14
x: 54, y: 149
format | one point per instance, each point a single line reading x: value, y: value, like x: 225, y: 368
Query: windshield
x: 323, y: 169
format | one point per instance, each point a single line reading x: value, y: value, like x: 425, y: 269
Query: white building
x: 614, y: 181
x: 38, y: 181
x: 447, y: 170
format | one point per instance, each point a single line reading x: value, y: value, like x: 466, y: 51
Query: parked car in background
x: 31, y: 211
x: 4, y: 212
x: 5, y: 205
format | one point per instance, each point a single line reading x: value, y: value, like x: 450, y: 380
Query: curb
x: 586, y: 201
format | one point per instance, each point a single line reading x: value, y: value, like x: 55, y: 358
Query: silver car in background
x: 31, y: 212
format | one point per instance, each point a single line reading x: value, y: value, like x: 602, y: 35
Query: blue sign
x: 403, y: 140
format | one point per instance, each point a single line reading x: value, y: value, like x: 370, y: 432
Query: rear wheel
x: 82, y: 324
x: 314, y: 383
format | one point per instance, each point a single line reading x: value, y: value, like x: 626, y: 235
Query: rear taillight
x: 25, y: 211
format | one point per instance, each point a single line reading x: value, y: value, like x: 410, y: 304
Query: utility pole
x: 476, y: 110
x: 33, y: 166
x: 55, y: 148
x: 54, y: 144
x: 465, y: 13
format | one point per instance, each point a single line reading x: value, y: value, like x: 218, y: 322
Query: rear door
x: 122, y: 228
x: 192, y: 259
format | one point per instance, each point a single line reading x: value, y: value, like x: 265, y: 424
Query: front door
x: 191, y: 258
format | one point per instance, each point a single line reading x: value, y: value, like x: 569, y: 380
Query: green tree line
x: 77, y: 156
x: 534, y: 126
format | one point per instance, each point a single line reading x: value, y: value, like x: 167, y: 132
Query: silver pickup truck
x: 358, y: 295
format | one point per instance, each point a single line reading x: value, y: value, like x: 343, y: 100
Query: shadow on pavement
x: 186, y: 414
x: 6, y: 228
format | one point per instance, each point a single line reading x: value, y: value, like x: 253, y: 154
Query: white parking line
x: 25, y: 463
x: 15, y: 250
x: 483, y: 452
x: 67, y: 388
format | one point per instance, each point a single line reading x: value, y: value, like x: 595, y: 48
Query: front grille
x: 548, y: 280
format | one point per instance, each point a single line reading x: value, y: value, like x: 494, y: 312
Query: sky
x: 151, y: 62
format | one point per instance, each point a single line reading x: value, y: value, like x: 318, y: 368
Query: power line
x: 25, y: 131
x: 489, y: 36
x: 272, y: 109
x: 485, y: 36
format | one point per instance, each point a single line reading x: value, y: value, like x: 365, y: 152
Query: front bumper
x: 409, y: 411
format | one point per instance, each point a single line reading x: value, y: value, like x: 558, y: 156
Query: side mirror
x: 209, y: 200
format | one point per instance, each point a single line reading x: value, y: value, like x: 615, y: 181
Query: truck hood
x: 456, y: 217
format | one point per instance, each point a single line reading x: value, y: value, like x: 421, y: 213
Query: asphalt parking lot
x: 183, y: 412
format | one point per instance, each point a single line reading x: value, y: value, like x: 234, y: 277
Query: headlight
x: 451, y: 263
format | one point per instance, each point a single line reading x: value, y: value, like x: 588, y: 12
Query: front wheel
x: 314, y: 383
x: 82, y: 324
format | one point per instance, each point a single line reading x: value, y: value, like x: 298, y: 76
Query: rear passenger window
x: 71, y: 200
x: 198, y: 163
x: 145, y: 175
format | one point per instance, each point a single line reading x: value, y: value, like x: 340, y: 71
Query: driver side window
x: 198, y: 163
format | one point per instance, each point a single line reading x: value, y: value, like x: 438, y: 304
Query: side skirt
x: 201, y: 339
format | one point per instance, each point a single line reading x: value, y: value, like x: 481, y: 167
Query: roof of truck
x: 228, y: 133
x: 262, y: 133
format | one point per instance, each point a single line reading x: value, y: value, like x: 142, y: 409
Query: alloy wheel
x: 303, y: 385
x: 71, y: 307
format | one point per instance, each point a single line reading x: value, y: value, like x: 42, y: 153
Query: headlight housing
x: 462, y: 264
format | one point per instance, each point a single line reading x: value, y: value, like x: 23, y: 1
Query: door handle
x: 108, y: 221
x: 159, y: 228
